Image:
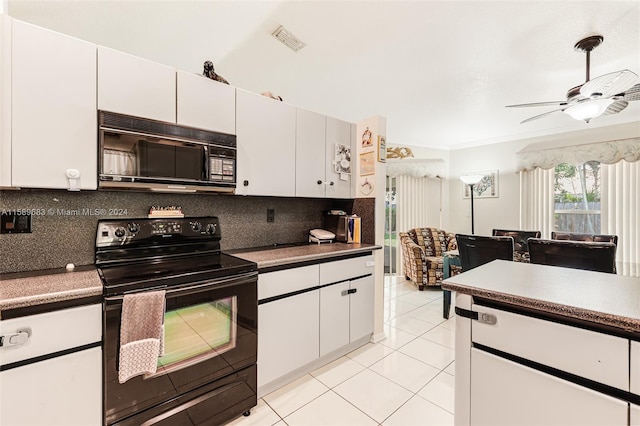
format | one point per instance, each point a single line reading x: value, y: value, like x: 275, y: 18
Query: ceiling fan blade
x: 535, y: 117
x: 609, y: 84
x: 533, y: 104
x: 616, y: 107
x: 632, y: 94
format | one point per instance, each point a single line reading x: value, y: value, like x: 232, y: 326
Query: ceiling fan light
x: 588, y: 110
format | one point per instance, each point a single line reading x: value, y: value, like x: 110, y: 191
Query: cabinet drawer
x: 53, y: 332
x: 341, y: 270
x: 595, y: 356
x: 282, y: 282
x: 504, y: 393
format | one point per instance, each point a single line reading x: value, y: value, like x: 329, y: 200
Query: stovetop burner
x: 137, y: 254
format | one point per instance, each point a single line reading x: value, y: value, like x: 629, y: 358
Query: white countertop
x: 607, y: 299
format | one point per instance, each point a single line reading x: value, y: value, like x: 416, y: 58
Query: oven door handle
x: 192, y: 288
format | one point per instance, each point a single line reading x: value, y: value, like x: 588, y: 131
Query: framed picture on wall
x: 382, y: 149
x: 486, y: 188
x: 367, y: 164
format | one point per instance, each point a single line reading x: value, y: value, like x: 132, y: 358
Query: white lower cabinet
x: 62, y: 391
x: 634, y: 415
x: 346, y: 313
x: 54, y: 376
x: 334, y: 314
x: 507, y: 393
x: 361, y: 308
x: 311, y: 311
x: 288, y: 335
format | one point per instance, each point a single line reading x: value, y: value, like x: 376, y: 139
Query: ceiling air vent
x: 291, y: 41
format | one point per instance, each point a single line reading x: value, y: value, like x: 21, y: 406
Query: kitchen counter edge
x: 271, y: 259
x: 28, y: 293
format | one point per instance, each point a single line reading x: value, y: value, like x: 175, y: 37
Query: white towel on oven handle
x: 138, y: 358
x: 141, y: 333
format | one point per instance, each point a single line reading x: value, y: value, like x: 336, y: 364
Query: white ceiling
x: 441, y: 72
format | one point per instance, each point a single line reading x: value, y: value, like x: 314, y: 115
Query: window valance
x: 416, y: 167
x: 608, y: 152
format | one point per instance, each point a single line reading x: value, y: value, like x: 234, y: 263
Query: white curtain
x: 536, y: 201
x: 415, y: 198
x: 620, y: 212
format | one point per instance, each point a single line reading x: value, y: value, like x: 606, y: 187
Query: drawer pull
x: 478, y: 316
x: 20, y: 337
x: 348, y: 292
x: 487, y: 318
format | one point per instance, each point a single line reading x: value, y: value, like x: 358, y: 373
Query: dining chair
x: 598, y: 238
x: 477, y: 250
x: 519, y: 237
x: 589, y: 255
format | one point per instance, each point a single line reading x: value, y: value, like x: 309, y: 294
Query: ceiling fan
x: 607, y: 94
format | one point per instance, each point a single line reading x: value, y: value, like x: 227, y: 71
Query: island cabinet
x: 538, y: 344
x: 512, y: 372
x: 311, y: 315
x: 52, y: 114
x: 51, y: 368
x: 322, y: 144
x: 204, y: 103
x: 266, y: 138
x: 135, y: 86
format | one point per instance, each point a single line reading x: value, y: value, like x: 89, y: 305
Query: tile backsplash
x: 64, y: 231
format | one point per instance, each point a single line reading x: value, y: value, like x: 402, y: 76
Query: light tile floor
x: 407, y: 379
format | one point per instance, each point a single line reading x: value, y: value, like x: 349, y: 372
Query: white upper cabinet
x: 323, y: 148
x: 266, y: 137
x: 205, y: 103
x: 339, y: 134
x: 53, y: 108
x: 135, y: 86
x: 5, y: 100
x: 310, y: 154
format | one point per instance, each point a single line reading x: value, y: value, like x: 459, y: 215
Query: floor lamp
x: 471, y: 180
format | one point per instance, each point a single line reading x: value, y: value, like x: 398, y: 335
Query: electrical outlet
x: 271, y: 215
x: 11, y: 223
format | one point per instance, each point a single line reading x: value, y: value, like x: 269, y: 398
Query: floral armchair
x: 422, y: 254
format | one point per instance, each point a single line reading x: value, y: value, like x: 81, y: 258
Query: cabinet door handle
x: 350, y: 291
x: 20, y: 337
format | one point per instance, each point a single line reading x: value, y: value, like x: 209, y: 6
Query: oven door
x: 210, y: 335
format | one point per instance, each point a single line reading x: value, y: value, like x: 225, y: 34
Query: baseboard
x: 378, y: 337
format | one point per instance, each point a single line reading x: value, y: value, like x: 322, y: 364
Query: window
x: 577, y: 198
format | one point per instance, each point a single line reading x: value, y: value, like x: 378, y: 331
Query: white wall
x: 378, y: 126
x: 503, y: 211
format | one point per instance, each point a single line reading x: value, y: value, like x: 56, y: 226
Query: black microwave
x: 138, y: 153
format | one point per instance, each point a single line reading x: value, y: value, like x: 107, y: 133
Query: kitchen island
x: 543, y: 345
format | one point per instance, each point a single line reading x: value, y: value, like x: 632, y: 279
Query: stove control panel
x: 141, y: 231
